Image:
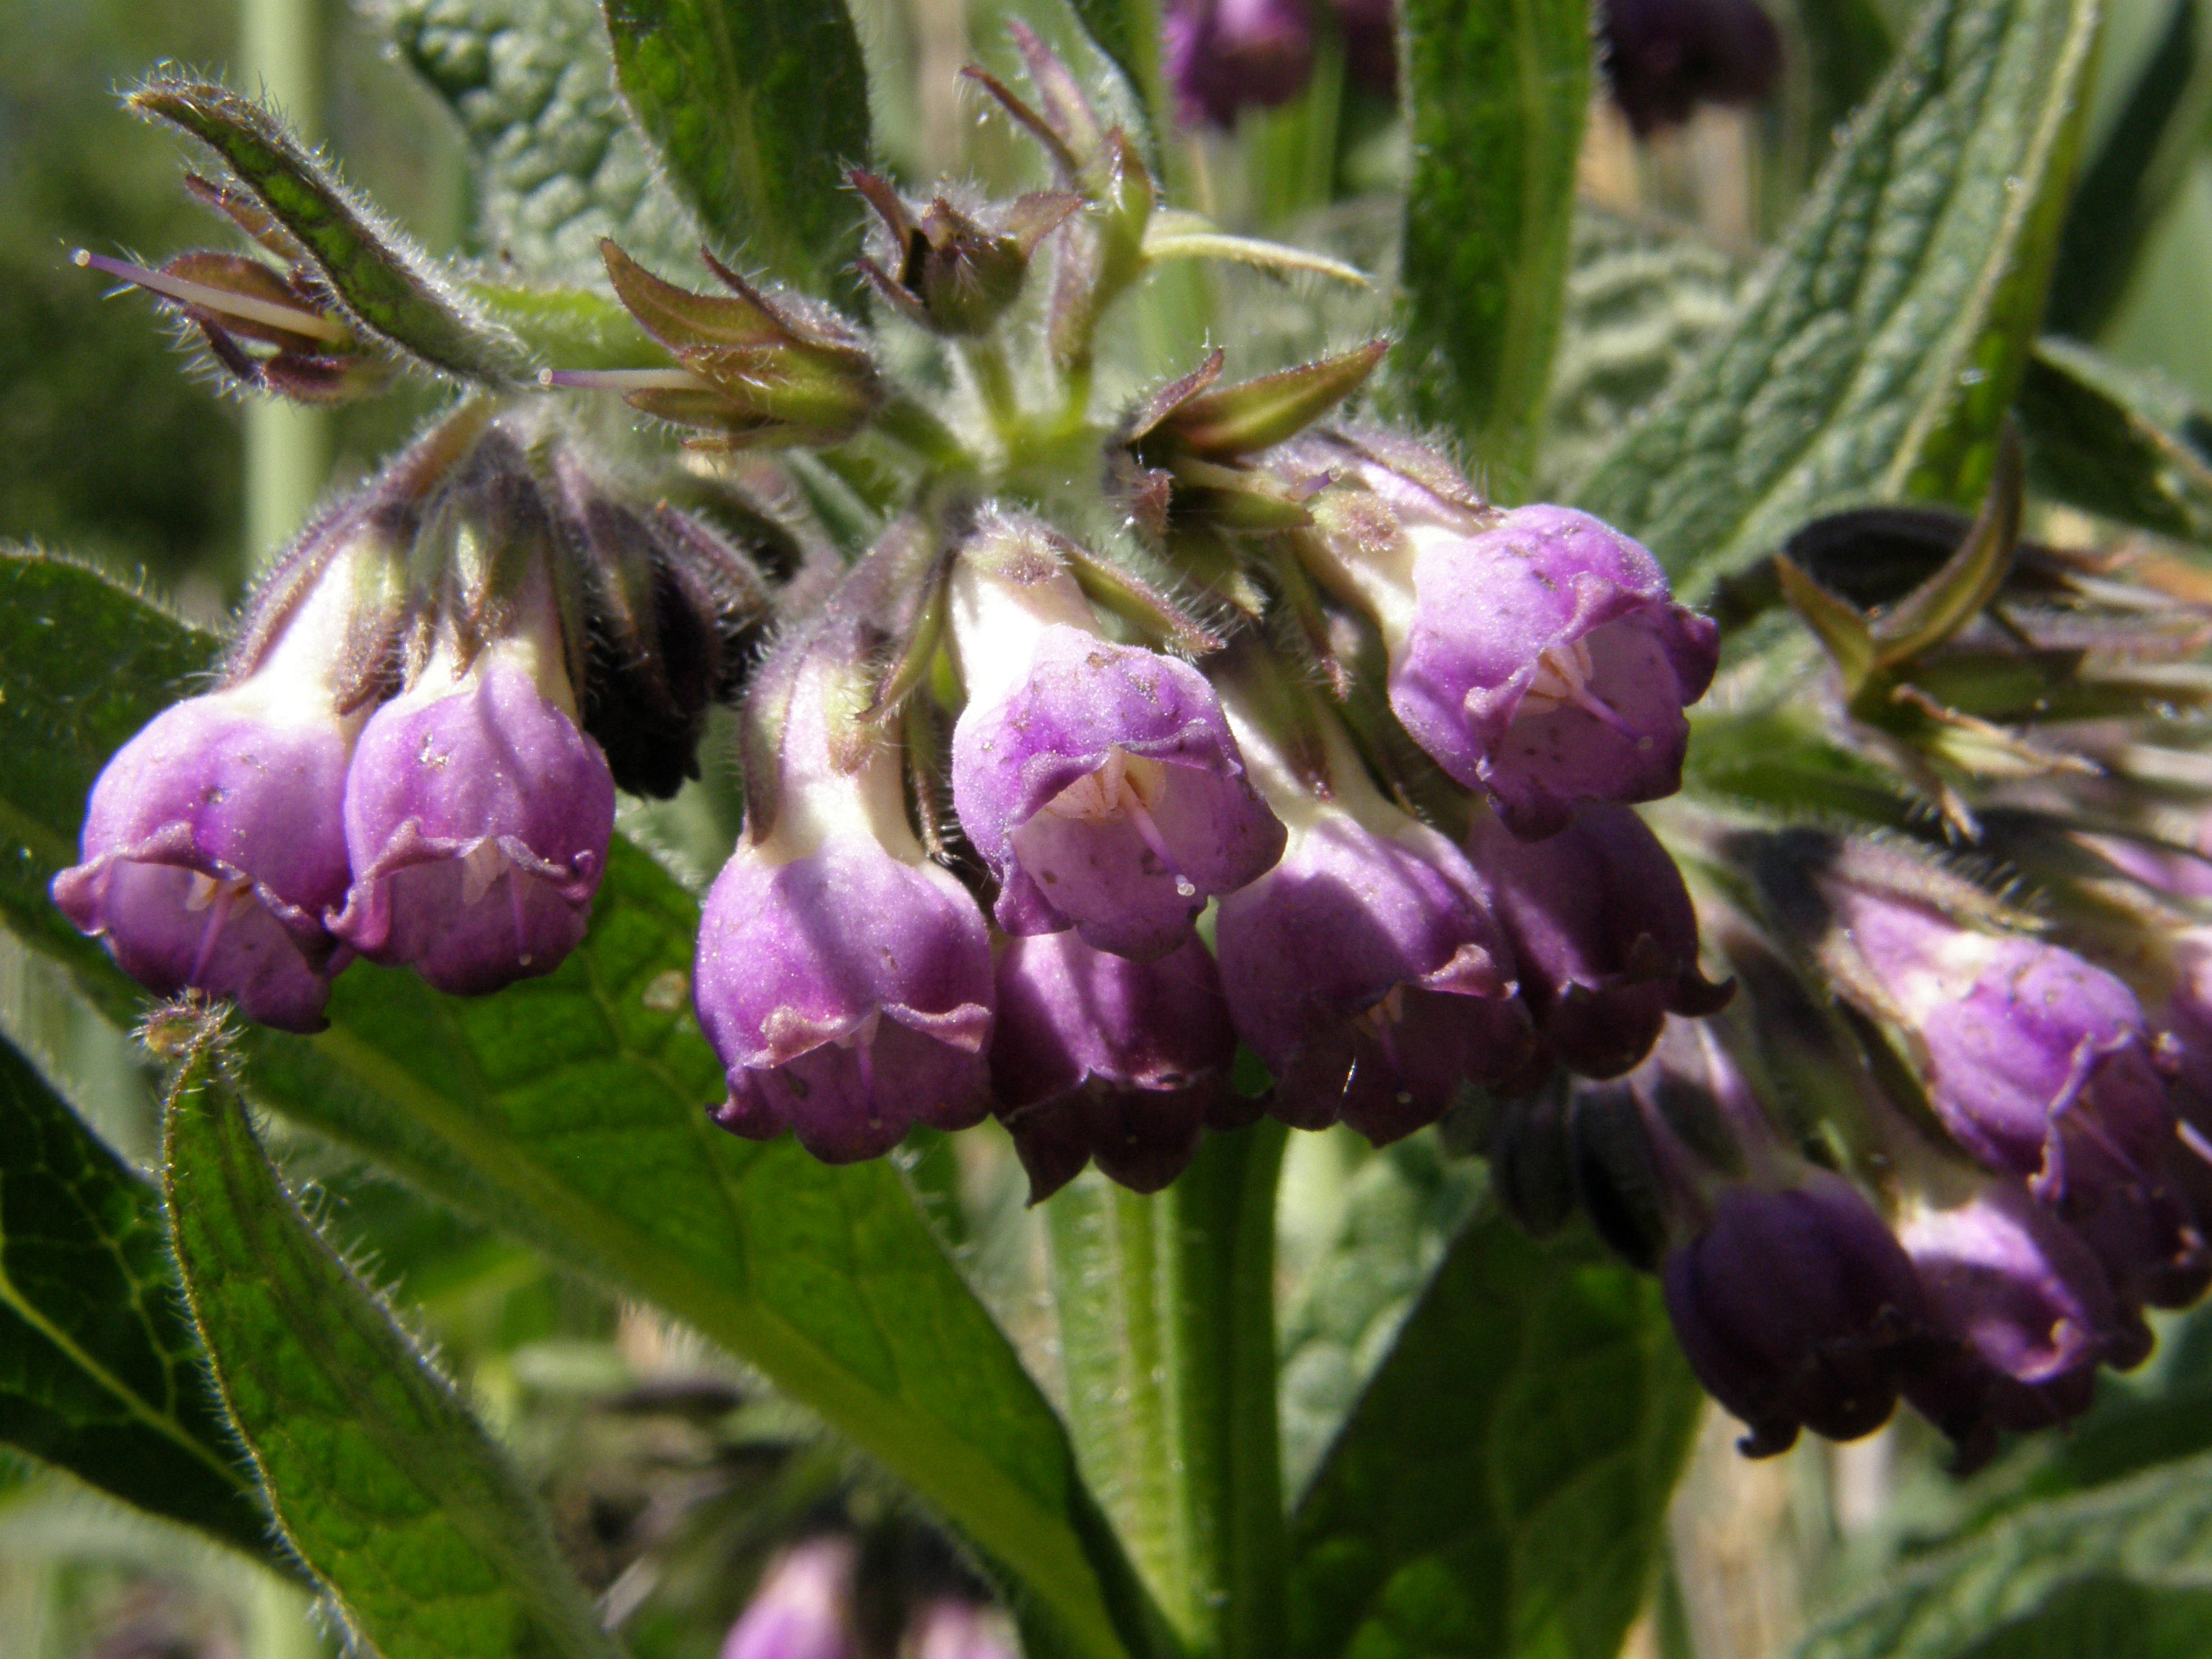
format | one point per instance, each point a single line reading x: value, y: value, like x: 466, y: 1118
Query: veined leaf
x: 1878, y: 351
x: 2125, y: 1570
x: 408, y: 1516
x: 2127, y: 446
x: 383, y: 284
x: 1496, y: 96
x: 558, y: 164
x: 757, y: 108
x: 1501, y: 1487
x: 98, y: 1367
x: 570, y: 1111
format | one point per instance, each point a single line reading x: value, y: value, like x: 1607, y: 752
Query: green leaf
x: 2122, y: 444
x: 408, y: 1516
x: 571, y: 1111
x: 383, y: 284
x: 2117, y: 1573
x: 1496, y: 96
x: 557, y: 163
x: 1877, y: 352
x: 98, y: 1367
x: 2126, y: 186
x: 1644, y: 300
x: 1502, y: 1486
x: 757, y: 107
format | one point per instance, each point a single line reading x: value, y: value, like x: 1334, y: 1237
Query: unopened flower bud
x: 1224, y: 54
x: 214, y: 842
x: 1795, y: 1305
x: 844, y: 979
x: 1535, y: 653
x: 1664, y: 57
x: 477, y: 815
x: 1100, y: 782
x: 1365, y: 969
x: 1096, y: 1056
x: 1603, y: 931
x: 955, y: 272
x: 803, y: 1609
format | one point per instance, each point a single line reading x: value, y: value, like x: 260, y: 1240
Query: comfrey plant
x: 1086, y: 638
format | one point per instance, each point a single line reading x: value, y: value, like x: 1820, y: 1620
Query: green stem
x: 288, y: 447
x: 995, y: 383
x: 1168, y: 1333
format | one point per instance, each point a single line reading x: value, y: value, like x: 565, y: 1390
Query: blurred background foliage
x: 669, y: 1471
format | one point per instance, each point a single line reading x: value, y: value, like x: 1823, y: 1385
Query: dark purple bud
x: 2029, y: 1309
x: 1664, y: 57
x: 1098, y: 781
x: 214, y: 842
x: 955, y: 1627
x: 1365, y: 969
x: 844, y: 979
x: 1223, y: 54
x: 1535, y: 654
x: 1602, y: 931
x: 803, y: 1609
x: 1096, y: 1056
x: 1370, y: 43
x: 1796, y: 1307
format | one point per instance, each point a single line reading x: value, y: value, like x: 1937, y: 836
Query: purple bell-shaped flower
x: 1223, y: 54
x: 1098, y: 781
x: 844, y: 978
x: 803, y: 1609
x: 214, y: 843
x: 1099, y: 1057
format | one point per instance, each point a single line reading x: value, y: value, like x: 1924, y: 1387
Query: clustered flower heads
x: 1306, y: 782
x: 399, y: 759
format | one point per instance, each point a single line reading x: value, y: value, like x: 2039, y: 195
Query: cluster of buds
x: 412, y: 751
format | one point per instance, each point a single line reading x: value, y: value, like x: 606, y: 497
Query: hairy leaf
x: 1878, y: 351
x: 383, y: 284
x: 2115, y: 1573
x: 1501, y: 1487
x: 98, y: 1367
x: 558, y: 164
x: 408, y: 1516
x: 1497, y: 95
x: 758, y: 108
x: 571, y: 1110
x: 2127, y: 446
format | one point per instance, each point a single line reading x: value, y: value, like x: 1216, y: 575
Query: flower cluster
x: 399, y: 759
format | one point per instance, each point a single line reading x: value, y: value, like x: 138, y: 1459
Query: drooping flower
x: 844, y: 979
x: 214, y: 844
x: 1365, y: 969
x: 1602, y: 931
x: 803, y: 1609
x: 1097, y: 1056
x: 477, y: 815
x: 1535, y: 654
x: 957, y: 1628
x: 1100, y: 782
x: 1224, y: 54
x: 2031, y: 1314
x: 1795, y: 1305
